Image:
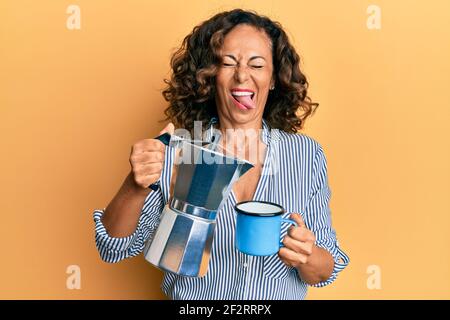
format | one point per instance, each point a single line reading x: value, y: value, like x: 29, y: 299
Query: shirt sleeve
x: 116, y: 249
x: 318, y: 216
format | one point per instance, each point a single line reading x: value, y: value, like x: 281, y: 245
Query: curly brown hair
x: 191, y: 89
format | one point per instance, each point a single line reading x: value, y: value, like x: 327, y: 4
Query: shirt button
x: 245, y: 264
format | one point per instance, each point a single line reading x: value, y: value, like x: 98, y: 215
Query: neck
x: 225, y: 124
x: 243, y: 140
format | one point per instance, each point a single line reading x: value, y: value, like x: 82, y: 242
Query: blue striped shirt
x: 295, y: 176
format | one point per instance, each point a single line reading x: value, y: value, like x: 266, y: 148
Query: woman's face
x: 244, y: 76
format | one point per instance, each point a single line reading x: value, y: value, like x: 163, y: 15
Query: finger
x: 148, y: 145
x: 145, y: 181
x: 297, y: 217
x: 301, y: 234
x: 147, y: 157
x: 298, y: 246
x: 169, y: 128
x: 287, y: 262
x: 148, y: 169
x: 291, y: 256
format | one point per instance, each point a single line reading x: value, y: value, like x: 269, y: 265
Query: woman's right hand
x: 147, y: 159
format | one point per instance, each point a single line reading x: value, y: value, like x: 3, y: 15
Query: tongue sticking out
x: 246, y: 101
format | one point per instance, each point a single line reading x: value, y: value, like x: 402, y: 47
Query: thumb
x: 297, y: 217
x: 169, y: 128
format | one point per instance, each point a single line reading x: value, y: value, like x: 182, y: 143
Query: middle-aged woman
x: 223, y: 58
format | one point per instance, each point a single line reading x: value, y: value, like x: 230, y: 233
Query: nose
x: 241, y: 74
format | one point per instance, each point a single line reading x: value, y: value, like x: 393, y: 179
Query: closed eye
x: 232, y: 65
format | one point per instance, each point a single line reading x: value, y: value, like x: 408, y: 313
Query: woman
x: 236, y: 70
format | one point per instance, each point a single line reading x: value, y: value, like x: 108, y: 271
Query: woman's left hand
x: 298, y: 243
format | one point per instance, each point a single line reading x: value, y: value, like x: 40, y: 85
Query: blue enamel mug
x: 258, y: 227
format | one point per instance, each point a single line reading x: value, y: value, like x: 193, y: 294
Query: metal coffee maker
x: 202, y: 178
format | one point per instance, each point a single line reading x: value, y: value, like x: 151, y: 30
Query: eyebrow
x: 252, y: 58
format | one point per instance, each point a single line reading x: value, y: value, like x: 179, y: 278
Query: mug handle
x: 287, y: 221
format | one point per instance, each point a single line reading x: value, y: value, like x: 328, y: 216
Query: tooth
x: 236, y: 93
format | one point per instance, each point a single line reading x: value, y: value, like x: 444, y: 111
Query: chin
x: 241, y: 118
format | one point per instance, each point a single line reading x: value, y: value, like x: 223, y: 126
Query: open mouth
x: 251, y: 96
x: 243, y: 99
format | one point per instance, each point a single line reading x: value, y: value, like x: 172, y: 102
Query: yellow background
x: 74, y: 101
